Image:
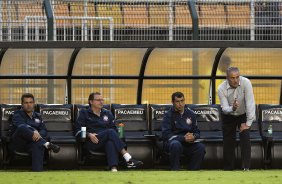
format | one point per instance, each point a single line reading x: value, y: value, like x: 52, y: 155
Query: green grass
x: 136, y: 177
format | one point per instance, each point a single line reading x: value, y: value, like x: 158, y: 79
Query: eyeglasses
x: 99, y: 100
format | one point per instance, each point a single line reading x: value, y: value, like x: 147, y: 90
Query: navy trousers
x: 22, y: 141
x: 194, y: 151
x: 109, y: 142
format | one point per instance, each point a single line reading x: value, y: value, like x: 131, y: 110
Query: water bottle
x: 121, y: 130
x: 83, y: 133
x: 269, y: 130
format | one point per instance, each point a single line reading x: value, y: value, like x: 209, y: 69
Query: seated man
x: 101, y: 132
x: 28, y: 132
x: 180, y: 131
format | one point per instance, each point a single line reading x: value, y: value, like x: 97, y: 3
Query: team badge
x: 37, y: 120
x: 105, y: 118
x: 188, y: 121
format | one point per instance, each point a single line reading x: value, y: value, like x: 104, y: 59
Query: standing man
x: 238, y: 106
x: 29, y: 131
x: 180, y: 132
x: 101, y: 132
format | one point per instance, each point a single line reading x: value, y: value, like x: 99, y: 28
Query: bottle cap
x: 120, y: 124
x: 83, y: 128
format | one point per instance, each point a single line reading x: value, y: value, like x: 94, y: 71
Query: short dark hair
x: 176, y: 94
x: 232, y: 69
x: 27, y: 95
x: 91, y: 97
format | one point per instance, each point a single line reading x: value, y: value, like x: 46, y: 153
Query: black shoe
x: 246, y: 169
x: 132, y: 163
x: 55, y: 148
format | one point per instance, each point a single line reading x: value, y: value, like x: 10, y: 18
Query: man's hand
x: 189, y: 137
x: 243, y: 127
x: 36, y: 136
x: 93, y: 138
x: 235, y: 105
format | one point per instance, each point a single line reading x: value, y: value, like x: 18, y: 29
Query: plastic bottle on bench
x: 269, y: 130
x: 83, y: 133
x: 121, y: 130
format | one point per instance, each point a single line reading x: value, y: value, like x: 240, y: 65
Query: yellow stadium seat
x: 25, y: 10
x: 182, y: 16
x: 135, y: 16
x: 61, y: 10
x: 212, y: 15
x: 18, y: 11
x: 238, y: 15
x: 9, y: 12
x: 109, y: 10
x: 159, y: 15
x: 77, y: 10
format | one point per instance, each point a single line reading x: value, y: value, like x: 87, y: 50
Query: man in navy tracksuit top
x: 29, y: 131
x: 179, y: 132
x: 102, y: 132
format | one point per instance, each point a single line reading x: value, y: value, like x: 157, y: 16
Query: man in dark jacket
x: 101, y: 132
x: 180, y: 133
x: 29, y: 132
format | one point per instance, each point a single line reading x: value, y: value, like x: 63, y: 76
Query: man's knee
x: 175, y: 146
x: 37, y: 145
x: 22, y: 129
x: 201, y: 149
x: 111, y: 132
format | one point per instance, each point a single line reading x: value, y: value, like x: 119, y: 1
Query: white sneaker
x: 114, y: 169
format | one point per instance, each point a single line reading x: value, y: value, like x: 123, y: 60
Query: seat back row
x: 60, y: 118
x: 142, y: 119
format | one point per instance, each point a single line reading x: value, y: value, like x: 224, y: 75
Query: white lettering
x: 161, y: 112
x: 130, y: 112
x: 9, y: 112
x: 203, y: 112
x: 57, y: 113
x: 272, y: 111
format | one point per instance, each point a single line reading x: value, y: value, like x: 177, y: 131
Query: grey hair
x: 232, y: 69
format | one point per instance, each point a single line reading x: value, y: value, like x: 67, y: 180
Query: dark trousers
x: 22, y: 142
x: 109, y: 142
x: 230, y: 123
x: 194, y: 151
